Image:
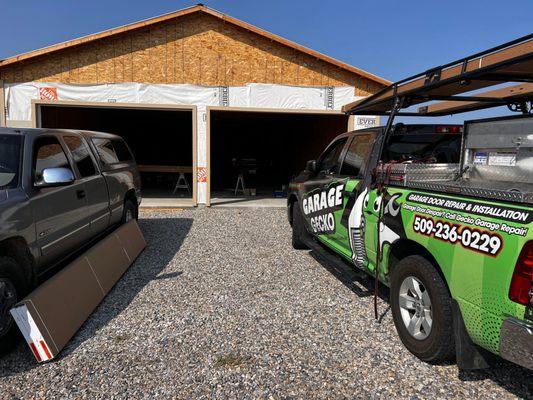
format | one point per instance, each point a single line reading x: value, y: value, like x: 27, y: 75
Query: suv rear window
x: 10, y: 147
x: 112, y: 151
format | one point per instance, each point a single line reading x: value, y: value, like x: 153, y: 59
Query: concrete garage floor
x: 249, y: 202
x: 164, y: 198
x: 154, y: 199
x: 220, y: 306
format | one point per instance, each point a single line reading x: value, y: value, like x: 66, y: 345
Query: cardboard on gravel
x: 51, y: 315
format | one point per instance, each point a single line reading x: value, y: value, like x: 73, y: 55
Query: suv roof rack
x: 509, y: 62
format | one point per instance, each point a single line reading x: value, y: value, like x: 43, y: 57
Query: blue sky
x: 390, y: 38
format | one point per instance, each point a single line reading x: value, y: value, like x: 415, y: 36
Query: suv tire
x: 129, y: 212
x: 13, y: 287
x: 298, y: 229
x: 422, y: 310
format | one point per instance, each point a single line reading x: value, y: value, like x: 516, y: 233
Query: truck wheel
x: 129, y: 212
x: 12, y: 287
x: 298, y: 228
x: 421, y: 309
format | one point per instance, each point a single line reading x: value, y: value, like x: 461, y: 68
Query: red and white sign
x: 31, y: 333
x: 202, y: 174
x: 48, y: 93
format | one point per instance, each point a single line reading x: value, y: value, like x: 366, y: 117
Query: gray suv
x: 59, y: 191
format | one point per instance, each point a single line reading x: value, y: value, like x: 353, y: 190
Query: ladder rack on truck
x: 509, y: 62
x: 493, y: 154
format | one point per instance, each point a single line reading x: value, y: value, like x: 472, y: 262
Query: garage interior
x: 266, y: 149
x: 161, y: 140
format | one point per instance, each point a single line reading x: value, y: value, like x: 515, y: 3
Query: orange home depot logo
x: 48, y: 93
x: 202, y: 174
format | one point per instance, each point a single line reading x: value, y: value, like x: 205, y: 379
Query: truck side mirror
x: 56, y: 177
x: 311, y: 166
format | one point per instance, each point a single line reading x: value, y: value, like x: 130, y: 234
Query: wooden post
x: 351, y: 123
x: 3, y: 120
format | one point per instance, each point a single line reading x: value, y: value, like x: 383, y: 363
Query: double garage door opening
x: 264, y: 148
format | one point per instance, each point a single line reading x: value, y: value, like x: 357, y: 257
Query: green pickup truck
x: 442, y: 215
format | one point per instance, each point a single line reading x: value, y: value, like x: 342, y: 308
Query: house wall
x: 196, y: 49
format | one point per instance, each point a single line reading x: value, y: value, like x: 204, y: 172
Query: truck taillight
x: 449, y: 129
x: 522, y: 281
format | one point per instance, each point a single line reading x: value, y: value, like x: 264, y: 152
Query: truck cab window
x: 48, y: 153
x: 123, y: 153
x: 357, y: 155
x: 329, y: 161
x: 81, y: 155
x: 106, y: 151
x: 112, y: 151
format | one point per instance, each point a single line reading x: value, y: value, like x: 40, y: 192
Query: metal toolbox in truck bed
x: 496, y: 163
x: 407, y: 174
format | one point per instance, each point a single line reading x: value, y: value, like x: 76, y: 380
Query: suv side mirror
x: 56, y: 177
x: 311, y: 166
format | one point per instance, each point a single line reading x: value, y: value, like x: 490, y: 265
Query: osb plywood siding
x: 197, y: 49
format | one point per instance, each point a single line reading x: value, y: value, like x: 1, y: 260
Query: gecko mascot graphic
x: 356, y: 229
x: 391, y: 228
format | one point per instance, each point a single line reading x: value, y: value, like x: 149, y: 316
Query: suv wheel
x: 12, y: 288
x: 129, y: 212
x: 298, y: 228
x: 421, y: 309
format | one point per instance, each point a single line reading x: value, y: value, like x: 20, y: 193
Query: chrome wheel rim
x: 415, y: 308
x: 8, y: 298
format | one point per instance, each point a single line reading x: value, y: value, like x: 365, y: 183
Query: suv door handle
x: 80, y: 194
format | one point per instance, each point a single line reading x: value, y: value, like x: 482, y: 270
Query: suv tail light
x: 521, y: 288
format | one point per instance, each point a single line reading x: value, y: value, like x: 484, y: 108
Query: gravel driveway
x: 220, y: 306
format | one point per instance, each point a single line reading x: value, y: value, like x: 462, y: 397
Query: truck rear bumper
x: 516, y: 342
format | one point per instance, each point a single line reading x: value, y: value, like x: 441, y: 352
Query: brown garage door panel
x: 49, y: 316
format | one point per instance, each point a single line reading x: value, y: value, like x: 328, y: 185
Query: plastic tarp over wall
x: 268, y: 96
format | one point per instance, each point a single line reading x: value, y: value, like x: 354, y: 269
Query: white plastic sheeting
x: 295, y: 97
x: 20, y: 95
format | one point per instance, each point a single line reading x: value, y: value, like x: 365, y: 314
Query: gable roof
x: 187, y: 11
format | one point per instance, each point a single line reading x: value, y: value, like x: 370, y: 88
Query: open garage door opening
x: 262, y: 151
x: 161, y: 140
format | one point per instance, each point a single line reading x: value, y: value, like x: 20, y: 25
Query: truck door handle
x: 80, y: 194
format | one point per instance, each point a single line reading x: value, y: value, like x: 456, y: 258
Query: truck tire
x: 298, y: 228
x: 129, y: 212
x: 13, y: 287
x: 422, y: 310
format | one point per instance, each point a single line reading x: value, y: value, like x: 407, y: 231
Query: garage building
x: 202, y: 98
